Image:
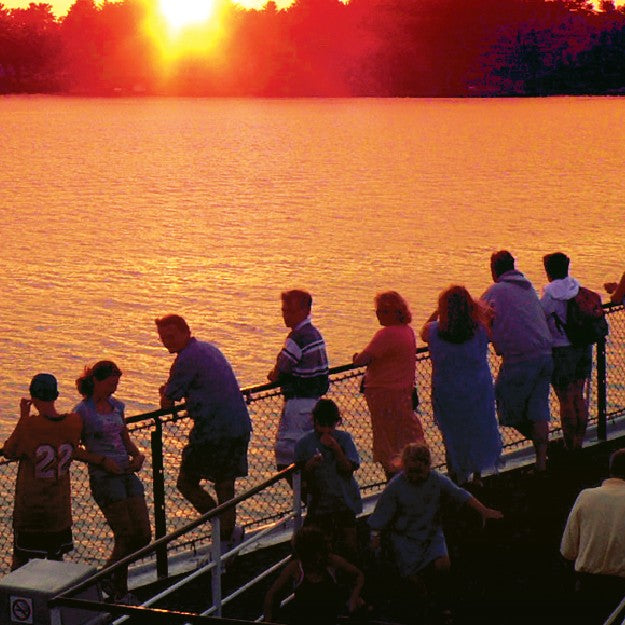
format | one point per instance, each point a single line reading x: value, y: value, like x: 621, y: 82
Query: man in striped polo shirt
x: 301, y: 369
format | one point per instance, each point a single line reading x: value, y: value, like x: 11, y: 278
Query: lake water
x: 117, y: 211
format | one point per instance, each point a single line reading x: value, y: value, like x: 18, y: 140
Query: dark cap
x: 44, y: 387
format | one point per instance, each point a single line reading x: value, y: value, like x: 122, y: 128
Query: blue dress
x: 463, y: 402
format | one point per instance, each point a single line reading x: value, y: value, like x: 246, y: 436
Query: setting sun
x: 181, y: 13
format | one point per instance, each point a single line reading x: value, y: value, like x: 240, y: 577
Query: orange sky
x: 60, y: 7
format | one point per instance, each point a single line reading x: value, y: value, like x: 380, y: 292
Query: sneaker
x: 108, y: 594
x: 236, y: 538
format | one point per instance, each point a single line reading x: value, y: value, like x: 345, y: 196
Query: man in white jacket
x: 571, y: 364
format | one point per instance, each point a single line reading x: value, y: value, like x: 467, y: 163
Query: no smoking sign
x: 21, y: 610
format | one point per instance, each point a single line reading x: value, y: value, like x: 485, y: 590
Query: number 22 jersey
x: 45, y: 448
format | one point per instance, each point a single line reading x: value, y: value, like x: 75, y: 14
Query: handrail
x: 163, y: 431
x: 151, y: 548
x: 247, y: 391
x: 159, y: 417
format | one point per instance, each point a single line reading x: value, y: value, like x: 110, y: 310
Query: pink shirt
x: 393, y: 358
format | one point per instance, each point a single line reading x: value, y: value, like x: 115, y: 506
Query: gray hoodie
x: 520, y: 329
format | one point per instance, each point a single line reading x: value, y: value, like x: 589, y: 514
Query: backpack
x: 585, y: 319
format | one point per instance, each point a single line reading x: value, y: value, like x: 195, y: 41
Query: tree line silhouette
x: 323, y: 48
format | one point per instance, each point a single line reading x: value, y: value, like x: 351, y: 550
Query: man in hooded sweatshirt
x: 571, y: 364
x: 521, y: 336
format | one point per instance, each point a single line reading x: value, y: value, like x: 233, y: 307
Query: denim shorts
x: 108, y: 488
x: 571, y: 364
x: 522, y: 391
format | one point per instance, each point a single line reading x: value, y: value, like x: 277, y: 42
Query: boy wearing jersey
x: 45, y: 444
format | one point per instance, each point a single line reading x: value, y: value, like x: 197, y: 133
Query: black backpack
x: 585, y: 319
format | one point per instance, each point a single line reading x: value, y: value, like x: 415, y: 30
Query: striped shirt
x: 302, y: 364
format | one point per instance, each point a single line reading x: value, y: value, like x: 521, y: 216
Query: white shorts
x: 295, y: 421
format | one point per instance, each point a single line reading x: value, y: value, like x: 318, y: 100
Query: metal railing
x: 213, y: 565
x: 162, y: 433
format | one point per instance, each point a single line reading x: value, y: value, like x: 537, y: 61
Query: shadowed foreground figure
x: 594, y: 538
x: 406, y: 523
x: 328, y: 459
x: 312, y: 576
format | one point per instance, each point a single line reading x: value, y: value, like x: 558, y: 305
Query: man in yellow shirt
x: 594, y: 537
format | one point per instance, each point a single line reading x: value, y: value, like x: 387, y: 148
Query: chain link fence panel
x: 93, y: 539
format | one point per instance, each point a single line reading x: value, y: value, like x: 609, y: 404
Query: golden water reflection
x: 117, y: 211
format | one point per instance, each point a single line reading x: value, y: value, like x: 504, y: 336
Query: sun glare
x: 181, y: 13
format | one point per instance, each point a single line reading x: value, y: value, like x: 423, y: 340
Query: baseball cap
x: 44, y: 387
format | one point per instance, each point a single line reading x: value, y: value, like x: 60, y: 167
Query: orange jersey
x: 45, y: 448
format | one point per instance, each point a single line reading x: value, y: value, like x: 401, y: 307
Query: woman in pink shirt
x: 389, y: 381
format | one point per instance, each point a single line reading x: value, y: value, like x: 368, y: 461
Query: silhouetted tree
x: 325, y: 48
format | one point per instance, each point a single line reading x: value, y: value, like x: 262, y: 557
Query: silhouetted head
x: 392, y: 309
x: 556, y: 265
x: 296, y: 306
x: 457, y: 314
x: 500, y: 262
x: 44, y: 387
x: 104, y: 370
x: 326, y: 413
x: 617, y: 464
x: 174, y: 332
x: 311, y: 547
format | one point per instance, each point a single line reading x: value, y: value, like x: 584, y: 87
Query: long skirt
x: 394, y: 424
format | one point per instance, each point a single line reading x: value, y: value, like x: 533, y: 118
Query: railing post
x: 216, y: 570
x: 602, y: 429
x: 55, y: 617
x: 297, y: 499
x: 158, y: 490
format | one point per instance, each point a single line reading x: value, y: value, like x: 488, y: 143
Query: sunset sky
x: 60, y: 7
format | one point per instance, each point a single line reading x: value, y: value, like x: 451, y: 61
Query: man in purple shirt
x: 217, y: 449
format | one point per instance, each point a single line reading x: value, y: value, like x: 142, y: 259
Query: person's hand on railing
x: 166, y: 402
x: 136, y: 462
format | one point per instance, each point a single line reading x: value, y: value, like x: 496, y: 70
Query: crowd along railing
x: 163, y: 432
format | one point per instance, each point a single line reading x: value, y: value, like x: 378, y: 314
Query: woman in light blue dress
x: 463, y: 399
